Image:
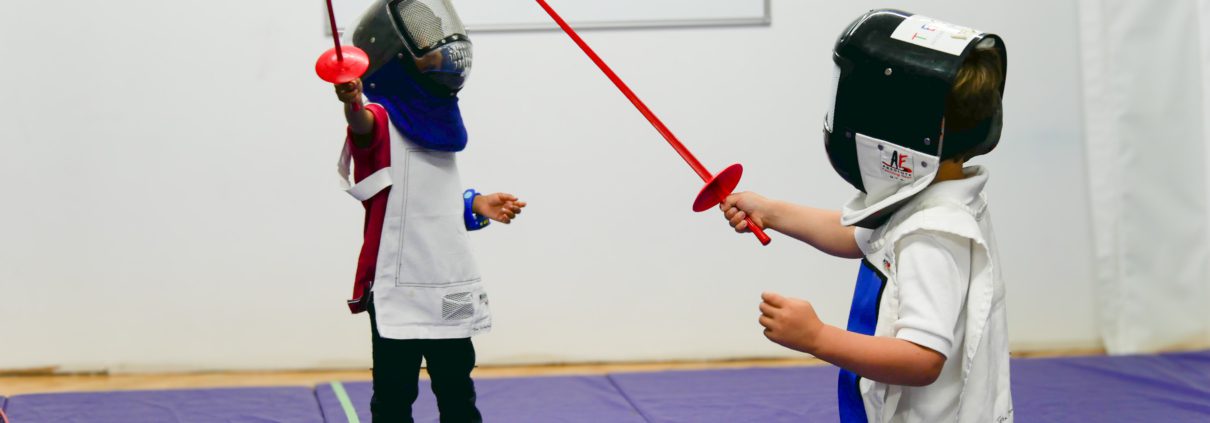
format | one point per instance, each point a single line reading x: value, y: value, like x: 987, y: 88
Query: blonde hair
x: 976, y: 94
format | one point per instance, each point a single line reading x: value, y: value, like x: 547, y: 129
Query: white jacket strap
x: 369, y: 186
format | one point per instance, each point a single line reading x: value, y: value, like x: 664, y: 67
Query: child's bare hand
x: 349, y: 92
x: 790, y: 322
x: 501, y: 207
x: 743, y: 205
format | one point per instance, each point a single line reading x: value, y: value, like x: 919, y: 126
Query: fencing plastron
x: 426, y: 284
x: 985, y: 372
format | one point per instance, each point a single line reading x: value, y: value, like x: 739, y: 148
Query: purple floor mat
x: 790, y: 394
x: 1198, y: 363
x: 1172, y: 388
x: 528, y: 400
x: 237, y: 405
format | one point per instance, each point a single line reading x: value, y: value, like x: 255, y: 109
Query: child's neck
x: 950, y: 170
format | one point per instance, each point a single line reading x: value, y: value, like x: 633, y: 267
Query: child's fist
x: 743, y: 205
x: 349, y: 92
x: 501, y: 207
x: 790, y: 322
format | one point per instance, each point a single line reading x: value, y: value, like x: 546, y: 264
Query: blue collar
x: 423, y: 115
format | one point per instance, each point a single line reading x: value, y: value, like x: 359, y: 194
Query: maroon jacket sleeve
x: 371, y: 151
x: 367, y: 160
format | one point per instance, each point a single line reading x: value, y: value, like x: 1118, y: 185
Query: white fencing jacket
x: 425, y: 283
x: 974, y: 384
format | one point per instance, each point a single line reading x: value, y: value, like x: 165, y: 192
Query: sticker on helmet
x: 934, y: 34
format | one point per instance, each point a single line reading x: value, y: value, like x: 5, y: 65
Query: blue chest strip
x: 863, y: 317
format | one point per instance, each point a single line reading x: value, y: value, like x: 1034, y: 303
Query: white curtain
x: 1146, y: 73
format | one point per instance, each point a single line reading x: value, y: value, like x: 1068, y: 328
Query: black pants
x: 397, y: 372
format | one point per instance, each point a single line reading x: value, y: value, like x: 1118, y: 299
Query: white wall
x: 169, y: 199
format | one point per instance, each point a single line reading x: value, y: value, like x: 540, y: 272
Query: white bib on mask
x: 891, y: 174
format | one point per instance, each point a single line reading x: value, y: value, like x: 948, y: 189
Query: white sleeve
x: 933, y: 274
x: 862, y: 237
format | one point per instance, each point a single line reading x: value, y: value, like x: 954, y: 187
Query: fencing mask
x: 426, y: 32
x: 884, y: 132
x: 420, y: 57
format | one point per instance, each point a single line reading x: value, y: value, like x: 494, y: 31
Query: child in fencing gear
x: 416, y: 274
x: 926, y: 341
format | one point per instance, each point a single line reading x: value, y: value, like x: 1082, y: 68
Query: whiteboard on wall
x: 518, y: 15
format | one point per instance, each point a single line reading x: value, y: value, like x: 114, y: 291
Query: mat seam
x: 315, y: 392
x: 613, y: 382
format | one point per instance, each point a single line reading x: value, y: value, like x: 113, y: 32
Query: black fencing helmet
x: 883, y: 134
x: 427, y: 33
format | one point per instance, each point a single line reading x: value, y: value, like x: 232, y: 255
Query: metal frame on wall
x: 764, y: 20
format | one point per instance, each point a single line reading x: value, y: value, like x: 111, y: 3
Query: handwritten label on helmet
x: 934, y: 34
